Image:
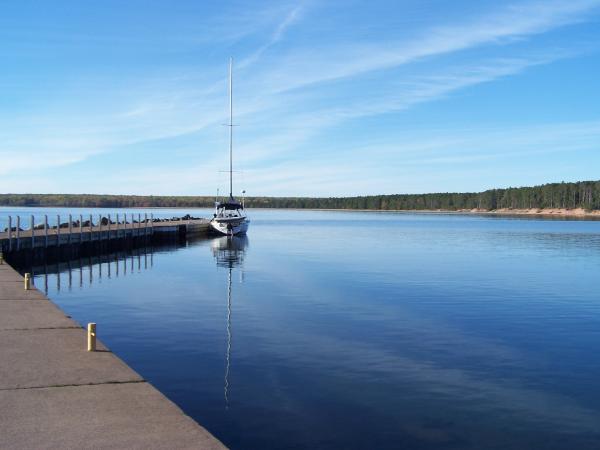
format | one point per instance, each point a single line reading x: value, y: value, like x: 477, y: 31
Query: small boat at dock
x: 230, y: 217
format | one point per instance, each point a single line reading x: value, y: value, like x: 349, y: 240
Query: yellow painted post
x: 27, y: 282
x: 91, y: 335
x: 1, y: 258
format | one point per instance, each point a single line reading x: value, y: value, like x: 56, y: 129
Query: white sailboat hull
x: 230, y: 228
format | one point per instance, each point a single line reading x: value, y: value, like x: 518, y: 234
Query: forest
x: 583, y: 194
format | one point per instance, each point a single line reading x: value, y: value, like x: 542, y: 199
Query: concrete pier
x: 56, y: 394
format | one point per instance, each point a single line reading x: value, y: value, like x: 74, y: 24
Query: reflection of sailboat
x: 229, y: 253
x: 228, y: 353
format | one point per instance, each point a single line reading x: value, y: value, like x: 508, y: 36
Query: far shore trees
x: 583, y: 194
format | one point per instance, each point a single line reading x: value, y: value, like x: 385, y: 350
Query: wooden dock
x: 84, y: 232
x: 42, y: 244
x: 56, y: 394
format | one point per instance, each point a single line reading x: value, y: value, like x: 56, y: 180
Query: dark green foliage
x: 584, y: 194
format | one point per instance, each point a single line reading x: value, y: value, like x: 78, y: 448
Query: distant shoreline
x: 575, y: 213
x: 578, y: 213
x: 576, y: 199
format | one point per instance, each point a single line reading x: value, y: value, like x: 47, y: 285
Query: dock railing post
x: 45, y: 230
x: 80, y: 228
x: 70, y: 228
x: 151, y: 223
x: 139, y: 224
x: 32, y: 229
x: 91, y: 225
x: 145, y: 224
x: 58, y: 231
x: 117, y: 220
x: 18, y: 233
x: 91, y: 337
x: 10, y: 233
x: 109, y: 227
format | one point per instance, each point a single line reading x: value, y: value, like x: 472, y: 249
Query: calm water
x: 363, y: 330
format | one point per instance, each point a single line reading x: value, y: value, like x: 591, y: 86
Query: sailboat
x: 230, y: 216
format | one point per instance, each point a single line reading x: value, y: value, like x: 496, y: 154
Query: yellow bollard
x: 1, y: 258
x: 27, y: 281
x: 91, y: 329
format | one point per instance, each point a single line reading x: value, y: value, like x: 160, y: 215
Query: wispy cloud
x: 290, y: 18
x: 295, y: 129
x: 426, y: 88
x: 305, y: 67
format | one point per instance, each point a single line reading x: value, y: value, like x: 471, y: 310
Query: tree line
x: 583, y: 194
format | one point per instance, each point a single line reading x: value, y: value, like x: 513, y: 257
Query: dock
x: 88, y: 235
x: 56, y: 394
x: 84, y: 231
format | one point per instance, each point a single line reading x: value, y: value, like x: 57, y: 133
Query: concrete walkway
x: 56, y: 394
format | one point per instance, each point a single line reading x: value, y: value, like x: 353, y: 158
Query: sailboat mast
x: 230, y: 127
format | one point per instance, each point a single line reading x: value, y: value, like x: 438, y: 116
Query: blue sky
x: 332, y: 98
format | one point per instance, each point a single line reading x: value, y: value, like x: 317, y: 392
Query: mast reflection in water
x: 229, y: 254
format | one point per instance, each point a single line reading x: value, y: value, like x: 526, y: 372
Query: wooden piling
x: 10, y: 233
x: 18, y: 233
x: 45, y: 231
x: 32, y: 229
x: 58, y: 230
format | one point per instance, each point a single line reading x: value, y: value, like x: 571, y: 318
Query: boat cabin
x: 229, y: 209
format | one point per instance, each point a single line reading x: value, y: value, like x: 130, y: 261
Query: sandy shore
x: 540, y: 212
x: 560, y: 212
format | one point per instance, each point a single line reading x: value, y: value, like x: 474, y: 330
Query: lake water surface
x: 361, y: 330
